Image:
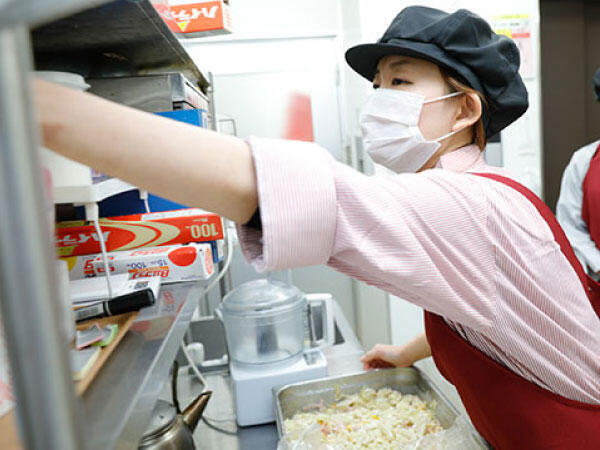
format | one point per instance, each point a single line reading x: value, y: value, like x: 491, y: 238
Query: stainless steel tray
x: 294, y: 398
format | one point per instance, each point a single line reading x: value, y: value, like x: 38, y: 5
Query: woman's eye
x: 398, y: 82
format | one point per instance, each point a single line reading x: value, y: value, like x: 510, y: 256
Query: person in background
x: 510, y: 318
x: 578, y: 206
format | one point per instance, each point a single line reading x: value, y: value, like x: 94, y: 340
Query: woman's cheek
x: 434, y: 121
x: 428, y: 124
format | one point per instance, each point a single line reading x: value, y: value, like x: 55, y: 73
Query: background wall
x: 570, y: 33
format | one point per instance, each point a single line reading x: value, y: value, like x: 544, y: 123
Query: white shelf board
x: 91, y: 193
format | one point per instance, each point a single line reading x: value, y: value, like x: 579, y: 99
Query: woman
x: 578, y: 206
x: 508, y: 315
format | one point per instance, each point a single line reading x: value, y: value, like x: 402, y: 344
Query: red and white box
x: 200, y: 18
x: 172, y: 262
x: 121, y: 233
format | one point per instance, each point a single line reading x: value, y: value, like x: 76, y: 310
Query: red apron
x: 590, y: 208
x: 507, y: 410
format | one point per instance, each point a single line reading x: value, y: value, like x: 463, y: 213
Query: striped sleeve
x: 297, y: 206
x: 422, y: 237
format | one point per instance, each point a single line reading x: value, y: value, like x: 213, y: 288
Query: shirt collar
x: 464, y: 159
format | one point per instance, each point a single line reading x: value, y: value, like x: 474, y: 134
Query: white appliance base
x: 253, y: 384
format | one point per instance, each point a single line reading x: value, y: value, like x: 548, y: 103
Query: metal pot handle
x: 323, y: 303
x: 174, y: 396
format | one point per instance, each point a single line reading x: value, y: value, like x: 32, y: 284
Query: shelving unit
x: 119, y: 403
x: 123, y: 37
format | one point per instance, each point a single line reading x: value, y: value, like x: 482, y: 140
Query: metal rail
x: 29, y: 302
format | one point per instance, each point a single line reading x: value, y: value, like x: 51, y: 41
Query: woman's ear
x: 468, y: 112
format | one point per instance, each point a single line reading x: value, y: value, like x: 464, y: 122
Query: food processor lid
x: 262, y: 296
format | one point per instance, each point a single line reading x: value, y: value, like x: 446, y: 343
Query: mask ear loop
x: 447, y: 135
x: 443, y: 97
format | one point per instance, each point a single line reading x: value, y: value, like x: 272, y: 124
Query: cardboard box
x: 163, y: 9
x: 173, y: 263
x: 84, y: 266
x: 218, y: 250
x: 138, y: 231
x: 201, y: 18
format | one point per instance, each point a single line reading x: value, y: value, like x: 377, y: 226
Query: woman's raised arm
x: 183, y: 163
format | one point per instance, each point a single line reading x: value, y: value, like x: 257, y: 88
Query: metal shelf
x: 120, y: 38
x: 34, y: 12
x: 124, y: 37
x: 119, y: 402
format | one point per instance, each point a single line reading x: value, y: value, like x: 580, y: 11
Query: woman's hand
x: 386, y: 356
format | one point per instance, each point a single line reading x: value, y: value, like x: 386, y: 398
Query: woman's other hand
x: 385, y: 356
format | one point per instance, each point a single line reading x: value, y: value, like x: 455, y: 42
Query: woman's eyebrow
x: 396, y: 64
x: 399, y: 63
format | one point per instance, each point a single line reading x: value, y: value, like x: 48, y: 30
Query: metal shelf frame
x: 31, y: 13
x: 120, y: 38
x: 119, y: 403
x: 50, y: 416
x: 29, y: 303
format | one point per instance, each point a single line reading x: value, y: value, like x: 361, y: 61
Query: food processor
x: 271, y: 329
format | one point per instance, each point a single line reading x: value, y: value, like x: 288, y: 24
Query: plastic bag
x: 458, y: 437
x: 310, y: 439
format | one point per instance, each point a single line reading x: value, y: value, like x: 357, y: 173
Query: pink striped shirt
x: 465, y: 247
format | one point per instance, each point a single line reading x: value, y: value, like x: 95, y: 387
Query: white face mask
x: 390, y: 126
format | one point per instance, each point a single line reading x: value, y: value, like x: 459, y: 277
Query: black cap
x: 596, y: 83
x: 462, y: 43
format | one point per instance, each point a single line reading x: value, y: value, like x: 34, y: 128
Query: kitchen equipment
x: 171, y: 429
x: 297, y: 397
x: 268, y: 321
x: 152, y: 93
x: 274, y: 334
x: 253, y: 384
x: 321, y: 327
